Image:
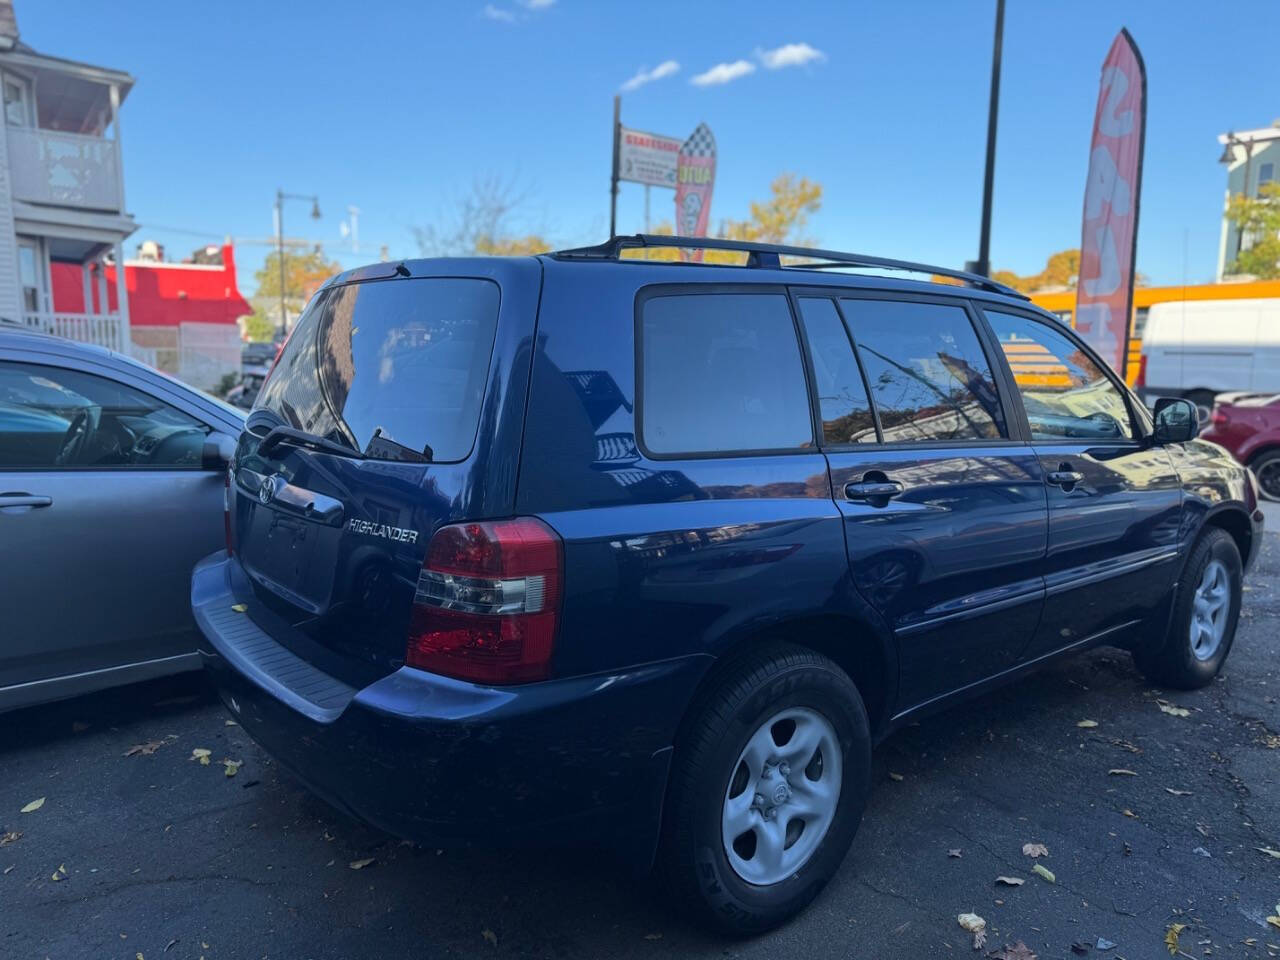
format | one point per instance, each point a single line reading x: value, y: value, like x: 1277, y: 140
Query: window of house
x: 1140, y: 322
x: 16, y: 111
x: 56, y: 418
x: 1066, y: 394
x: 722, y: 373
x: 31, y: 275
x: 1266, y: 173
x: 842, y: 396
x: 928, y: 375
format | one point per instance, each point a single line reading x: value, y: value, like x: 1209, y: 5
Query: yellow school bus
x: 1063, y: 303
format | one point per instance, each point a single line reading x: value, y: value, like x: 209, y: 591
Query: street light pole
x: 281, y: 197
x: 988, y: 181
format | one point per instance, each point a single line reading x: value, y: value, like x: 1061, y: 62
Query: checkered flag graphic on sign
x: 700, y: 143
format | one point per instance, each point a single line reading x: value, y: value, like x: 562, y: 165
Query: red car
x: 1248, y: 424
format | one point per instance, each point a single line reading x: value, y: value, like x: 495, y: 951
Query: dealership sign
x: 647, y: 158
x: 1109, y: 239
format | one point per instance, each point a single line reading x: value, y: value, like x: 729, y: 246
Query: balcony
x: 64, y: 169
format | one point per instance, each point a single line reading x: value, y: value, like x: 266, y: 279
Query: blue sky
x: 397, y: 107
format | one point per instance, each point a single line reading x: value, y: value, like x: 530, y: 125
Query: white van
x: 1199, y: 348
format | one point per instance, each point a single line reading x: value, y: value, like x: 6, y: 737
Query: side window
x: 721, y: 373
x: 842, y: 396
x: 1066, y: 394
x: 929, y: 378
x: 54, y: 418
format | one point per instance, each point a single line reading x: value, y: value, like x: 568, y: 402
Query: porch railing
x: 104, y: 329
x: 65, y: 169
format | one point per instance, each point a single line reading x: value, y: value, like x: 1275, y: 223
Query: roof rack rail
x: 767, y: 255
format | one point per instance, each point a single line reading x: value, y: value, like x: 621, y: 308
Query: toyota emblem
x: 267, y: 491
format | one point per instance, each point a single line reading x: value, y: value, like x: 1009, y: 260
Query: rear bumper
x: 445, y: 762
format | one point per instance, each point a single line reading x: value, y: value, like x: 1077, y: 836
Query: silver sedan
x: 111, y: 487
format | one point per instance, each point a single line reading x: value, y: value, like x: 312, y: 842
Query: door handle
x: 23, y: 500
x: 1064, y: 476
x: 872, y: 490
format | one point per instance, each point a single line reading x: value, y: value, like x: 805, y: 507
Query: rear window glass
x: 393, y: 365
x: 722, y: 373
x: 929, y: 378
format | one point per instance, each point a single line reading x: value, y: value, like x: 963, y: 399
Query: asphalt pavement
x: 1150, y: 819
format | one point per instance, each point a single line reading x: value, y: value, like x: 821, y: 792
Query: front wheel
x: 767, y: 789
x: 1206, y: 609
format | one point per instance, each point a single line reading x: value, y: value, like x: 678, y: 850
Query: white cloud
x: 723, y: 73
x: 790, y: 55
x: 537, y: 4
x: 490, y: 12
x: 664, y: 69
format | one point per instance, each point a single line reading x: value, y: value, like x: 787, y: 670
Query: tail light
x: 488, y: 602
x: 226, y: 509
x: 1141, y: 379
x: 1219, y: 417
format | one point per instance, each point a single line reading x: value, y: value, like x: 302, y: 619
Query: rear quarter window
x: 390, y: 364
x: 721, y: 373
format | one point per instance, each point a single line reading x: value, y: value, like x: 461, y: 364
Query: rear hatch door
x: 396, y: 407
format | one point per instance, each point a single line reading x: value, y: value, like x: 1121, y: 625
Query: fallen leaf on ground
x: 239, y: 607
x: 975, y: 925
x: 1267, y: 850
x: 1019, y: 951
x: 8, y: 870
x: 361, y: 864
x: 1172, y: 710
x: 10, y: 837
x: 1274, y: 921
x: 895, y: 776
x: 1087, y: 724
x: 144, y: 749
x: 490, y: 937
x: 1171, y: 937
x: 60, y: 874
x: 230, y: 723
x: 231, y: 767
x: 1271, y: 741
x: 1045, y: 872
x: 1177, y: 793
x: 201, y: 754
x: 1121, y: 772
x: 1011, y: 881
x: 1104, y: 944
x: 1129, y: 813
x: 955, y: 853
x: 1035, y: 850
x: 33, y: 806
x: 1201, y: 852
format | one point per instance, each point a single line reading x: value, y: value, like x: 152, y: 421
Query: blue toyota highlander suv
x: 591, y: 547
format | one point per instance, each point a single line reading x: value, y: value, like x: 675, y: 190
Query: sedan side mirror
x: 218, y: 451
x: 1176, y: 420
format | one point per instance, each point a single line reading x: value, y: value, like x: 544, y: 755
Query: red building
x: 182, y: 316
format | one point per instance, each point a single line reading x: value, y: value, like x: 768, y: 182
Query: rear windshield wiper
x: 300, y: 438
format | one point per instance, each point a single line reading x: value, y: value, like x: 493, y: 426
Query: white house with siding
x: 61, y: 187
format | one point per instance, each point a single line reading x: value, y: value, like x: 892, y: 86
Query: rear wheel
x: 1206, y: 608
x: 767, y: 789
x: 1266, y: 467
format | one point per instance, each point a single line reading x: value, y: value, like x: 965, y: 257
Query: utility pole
x: 983, y: 265
x: 613, y: 177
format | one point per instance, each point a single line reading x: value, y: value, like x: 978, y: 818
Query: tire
x: 1186, y: 659
x: 779, y: 693
x: 1266, y: 467
x: 1203, y: 400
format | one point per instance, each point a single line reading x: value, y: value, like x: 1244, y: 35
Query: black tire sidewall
x: 742, y: 907
x: 1270, y: 456
x: 1181, y: 666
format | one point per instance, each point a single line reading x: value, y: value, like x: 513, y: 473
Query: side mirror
x: 218, y: 451
x: 1176, y: 420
